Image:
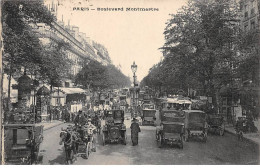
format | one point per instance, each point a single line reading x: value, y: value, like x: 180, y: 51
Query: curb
x: 247, y: 139
x: 52, y: 126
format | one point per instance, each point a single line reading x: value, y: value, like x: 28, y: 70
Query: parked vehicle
x: 114, y: 129
x: 22, y: 143
x: 195, y: 125
x: 171, y: 128
x: 148, y: 114
x: 216, y: 124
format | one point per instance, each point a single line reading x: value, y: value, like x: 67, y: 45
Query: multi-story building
x: 249, y: 14
x: 80, y: 47
x: 241, y: 97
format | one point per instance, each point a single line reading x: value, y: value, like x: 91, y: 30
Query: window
x: 246, y: 28
x: 252, y: 24
x: 252, y: 11
x: 246, y: 8
x: 57, y: 101
x: 246, y: 14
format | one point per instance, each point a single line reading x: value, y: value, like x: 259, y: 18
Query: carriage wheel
x: 87, y: 151
x: 73, y: 157
x: 186, y: 136
x: 159, y: 142
x: 156, y: 136
x: 103, y: 139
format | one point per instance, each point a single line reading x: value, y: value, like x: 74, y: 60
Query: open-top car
x: 171, y: 128
x: 148, y: 114
x: 195, y: 125
x: 114, y: 129
x: 22, y: 143
x: 216, y: 124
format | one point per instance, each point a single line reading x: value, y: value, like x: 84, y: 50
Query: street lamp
x: 134, y: 69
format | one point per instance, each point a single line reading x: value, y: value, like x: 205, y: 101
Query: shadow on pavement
x: 60, y: 160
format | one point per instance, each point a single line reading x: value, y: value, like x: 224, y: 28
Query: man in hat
x: 135, y: 129
x: 80, y: 119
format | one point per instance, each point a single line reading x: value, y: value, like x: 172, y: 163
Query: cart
x: 22, y: 143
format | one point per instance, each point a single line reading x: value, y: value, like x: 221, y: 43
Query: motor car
x: 148, y: 114
x: 216, y: 124
x: 114, y: 129
x: 171, y: 128
x: 195, y: 125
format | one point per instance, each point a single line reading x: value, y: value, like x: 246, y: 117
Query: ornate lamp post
x: 134, y: 69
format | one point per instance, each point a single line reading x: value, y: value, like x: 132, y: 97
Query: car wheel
x: 205, y: 138
x: 181, y: 145
x: 186, y: 136
x: 124, y: 138
x: 222, y: 130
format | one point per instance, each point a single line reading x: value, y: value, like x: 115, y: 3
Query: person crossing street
x: 135, y: 129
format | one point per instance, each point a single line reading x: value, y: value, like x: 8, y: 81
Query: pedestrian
x: 135, y: 129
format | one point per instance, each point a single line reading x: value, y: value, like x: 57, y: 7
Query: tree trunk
x: 9, y: 87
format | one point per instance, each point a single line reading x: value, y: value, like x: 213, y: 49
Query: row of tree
x: 205, y: 49
x: 49, y: 63
x: 97, y: 77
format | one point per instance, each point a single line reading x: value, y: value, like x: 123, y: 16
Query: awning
x: 72, y: 90
x: 172, y: 100
x: 184, y: 102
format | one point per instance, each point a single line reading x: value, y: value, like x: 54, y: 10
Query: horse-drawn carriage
x: 22, y: 143
x: 78, y: 140
x: 171, y: 128
x: 216, y: 124
x: 114, y: 129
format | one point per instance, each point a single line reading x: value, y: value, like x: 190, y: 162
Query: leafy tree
x: 21, y: 47
x: 199, y: 46
x: 116, y: 78
x: 92, y: 76
x: 55, y: 64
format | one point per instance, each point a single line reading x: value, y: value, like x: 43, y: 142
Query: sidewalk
x: 252, y: 137
x: 49, y: 125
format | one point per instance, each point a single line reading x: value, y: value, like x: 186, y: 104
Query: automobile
x: 171, y: 128
x: 195, y: 125
x: 216, y: 124
x: 148, y: 114
x: 114, y: 129
x: 22, y: 143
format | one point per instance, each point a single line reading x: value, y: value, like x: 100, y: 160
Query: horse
x: 69, y: 141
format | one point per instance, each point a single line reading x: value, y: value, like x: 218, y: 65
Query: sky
x: 128, y: 35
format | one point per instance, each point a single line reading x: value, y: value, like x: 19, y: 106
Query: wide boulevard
x: 217, y: 150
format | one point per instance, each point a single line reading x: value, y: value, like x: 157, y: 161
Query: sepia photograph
x: 130, y: 82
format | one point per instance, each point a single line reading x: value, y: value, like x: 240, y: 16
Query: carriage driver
x: 80, y: 119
